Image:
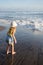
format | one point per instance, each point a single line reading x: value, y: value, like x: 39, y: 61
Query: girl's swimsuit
x: 9, y: 39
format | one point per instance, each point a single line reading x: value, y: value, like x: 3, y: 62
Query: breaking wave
x: 33, y: 24
x: 30, y: 20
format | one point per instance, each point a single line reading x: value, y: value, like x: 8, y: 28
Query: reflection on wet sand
x: 29, y: 49
x: 7, y: 60
x: 12, y: 60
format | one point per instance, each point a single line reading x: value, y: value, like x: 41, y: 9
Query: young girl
x: 11, y: 38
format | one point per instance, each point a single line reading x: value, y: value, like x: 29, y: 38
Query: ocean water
x: 29, y: 19
x: 27, y: 41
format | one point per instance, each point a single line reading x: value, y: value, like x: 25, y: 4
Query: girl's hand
x: 15, y: 41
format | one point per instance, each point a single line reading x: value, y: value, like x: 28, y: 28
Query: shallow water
x: 29, y: 47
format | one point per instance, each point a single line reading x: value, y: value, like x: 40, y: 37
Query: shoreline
x: 2, y: 28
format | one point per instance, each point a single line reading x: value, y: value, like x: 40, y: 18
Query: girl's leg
x: 13, y: 52
x: 8, y: 49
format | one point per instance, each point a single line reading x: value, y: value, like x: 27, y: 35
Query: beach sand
x: 2, y: 28
x: 29, y: 48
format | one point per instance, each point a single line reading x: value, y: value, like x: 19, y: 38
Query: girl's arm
x: 15, y: 39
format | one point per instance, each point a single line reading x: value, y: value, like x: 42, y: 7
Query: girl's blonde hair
x: 11, y: 31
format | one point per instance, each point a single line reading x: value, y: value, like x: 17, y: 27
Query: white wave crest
x: 33, y: 24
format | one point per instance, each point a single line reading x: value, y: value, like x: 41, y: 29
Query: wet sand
x: 29, y: 49
x: 2, y: 28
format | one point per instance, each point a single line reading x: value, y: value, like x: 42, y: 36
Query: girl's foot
x: 13, y: 53
x: 8, y: 52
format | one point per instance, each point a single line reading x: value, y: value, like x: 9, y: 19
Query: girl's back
x: 11, y: 31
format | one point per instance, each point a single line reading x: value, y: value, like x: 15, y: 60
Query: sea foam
x: 33, y: 24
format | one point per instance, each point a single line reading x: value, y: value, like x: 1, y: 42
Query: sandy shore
x: 29, y: 49
x: 2, y: 28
